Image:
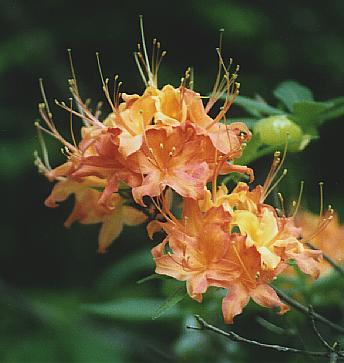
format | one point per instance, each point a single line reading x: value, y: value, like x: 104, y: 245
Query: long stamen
x: 297, y: 204
x: 105, y: 83
x: 71, y: 123
x: 280, y: 197
x: 321, y: 226
x: 285, y: 171
x: 44, y: 96
x: 274, y: 169
x: 87, y: 116
x: 47, y: 118
x: 150, y: 80
x: 142, y: 74
x: 321, y: 184
x: 213, y: 97
x: 43, y: 148
x: 72, y: 67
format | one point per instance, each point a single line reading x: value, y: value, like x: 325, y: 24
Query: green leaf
x: 130, y: 309
x: 306, y: 114
x: 248, y: 121
x: 176, y: 297
x: 334, y: 111
x: 290, y: 92
x: 117, y: 274
x: 256, y: 108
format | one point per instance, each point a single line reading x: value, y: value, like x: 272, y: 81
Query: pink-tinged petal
x: 266, y: 296
x: 151, y: 186
x: 233, y: 304
x: 132, y: 216
x: 197, y: 285
x: 109, y: 231
x: 129, y: 144
x: 308, y: 261
x: 189, y: 180
x: 196, y: 110
x: 171, y: 266
x: 231, y: 168
x: 225, y: 140
x: 111, y: 187
x: 62, y: 170
x: 159, y: 250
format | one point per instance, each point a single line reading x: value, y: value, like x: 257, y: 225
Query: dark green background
x: 47, y: 272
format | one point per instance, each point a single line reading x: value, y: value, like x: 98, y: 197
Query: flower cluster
x: 234, y: 241
x: 330, y: 240
x: 128, y: 165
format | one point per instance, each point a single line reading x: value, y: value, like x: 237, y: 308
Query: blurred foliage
x: 59, y: 301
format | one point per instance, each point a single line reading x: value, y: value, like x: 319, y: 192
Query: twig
x: 327, y: 258
x: 237, y: 338
x: 316, y: 331
x: 334, y: 349
x: 295, y: 304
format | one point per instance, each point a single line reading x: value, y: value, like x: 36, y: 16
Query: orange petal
x: 189, y: 180
x: 109, y: 231
x: 154, y: 227
x: 129, y: 144
x: 132, y: 216
x: 236, y: 299
x: 61, y: 191
x: 171, y: 266
x: 266, y: 296
x: 197, y: 285
x: 151, y: 186
x: 308, y: 261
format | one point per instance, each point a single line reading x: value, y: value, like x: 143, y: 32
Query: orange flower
x: 329, y: 240
x: 154, y: 109
x: 101, y: 158
x: 204, y: 253
x: 88, y: 210
x: 199, y: 249
x: 174, y: 159
x: 172, y: 107
x: 252, y: 283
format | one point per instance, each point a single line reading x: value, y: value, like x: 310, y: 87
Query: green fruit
x: 274, y: 130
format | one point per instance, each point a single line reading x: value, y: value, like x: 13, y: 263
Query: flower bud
x: 273, y: 131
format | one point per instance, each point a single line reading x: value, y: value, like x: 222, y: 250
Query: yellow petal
x: 110, y: 230
x: 268, y: 227
x: 269, y: 259
x: 132, y: 216
x: 248, y: 224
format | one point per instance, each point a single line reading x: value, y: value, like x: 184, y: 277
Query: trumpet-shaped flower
x: 88, y: 210
x: 154, y: 109
x: 330, y: 240
x: 200, y: 249
x: 101, y: 158
x: 174, y: 159
x: 252, y: 283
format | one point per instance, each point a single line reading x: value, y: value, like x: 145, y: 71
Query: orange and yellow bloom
x: 163, y: 142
